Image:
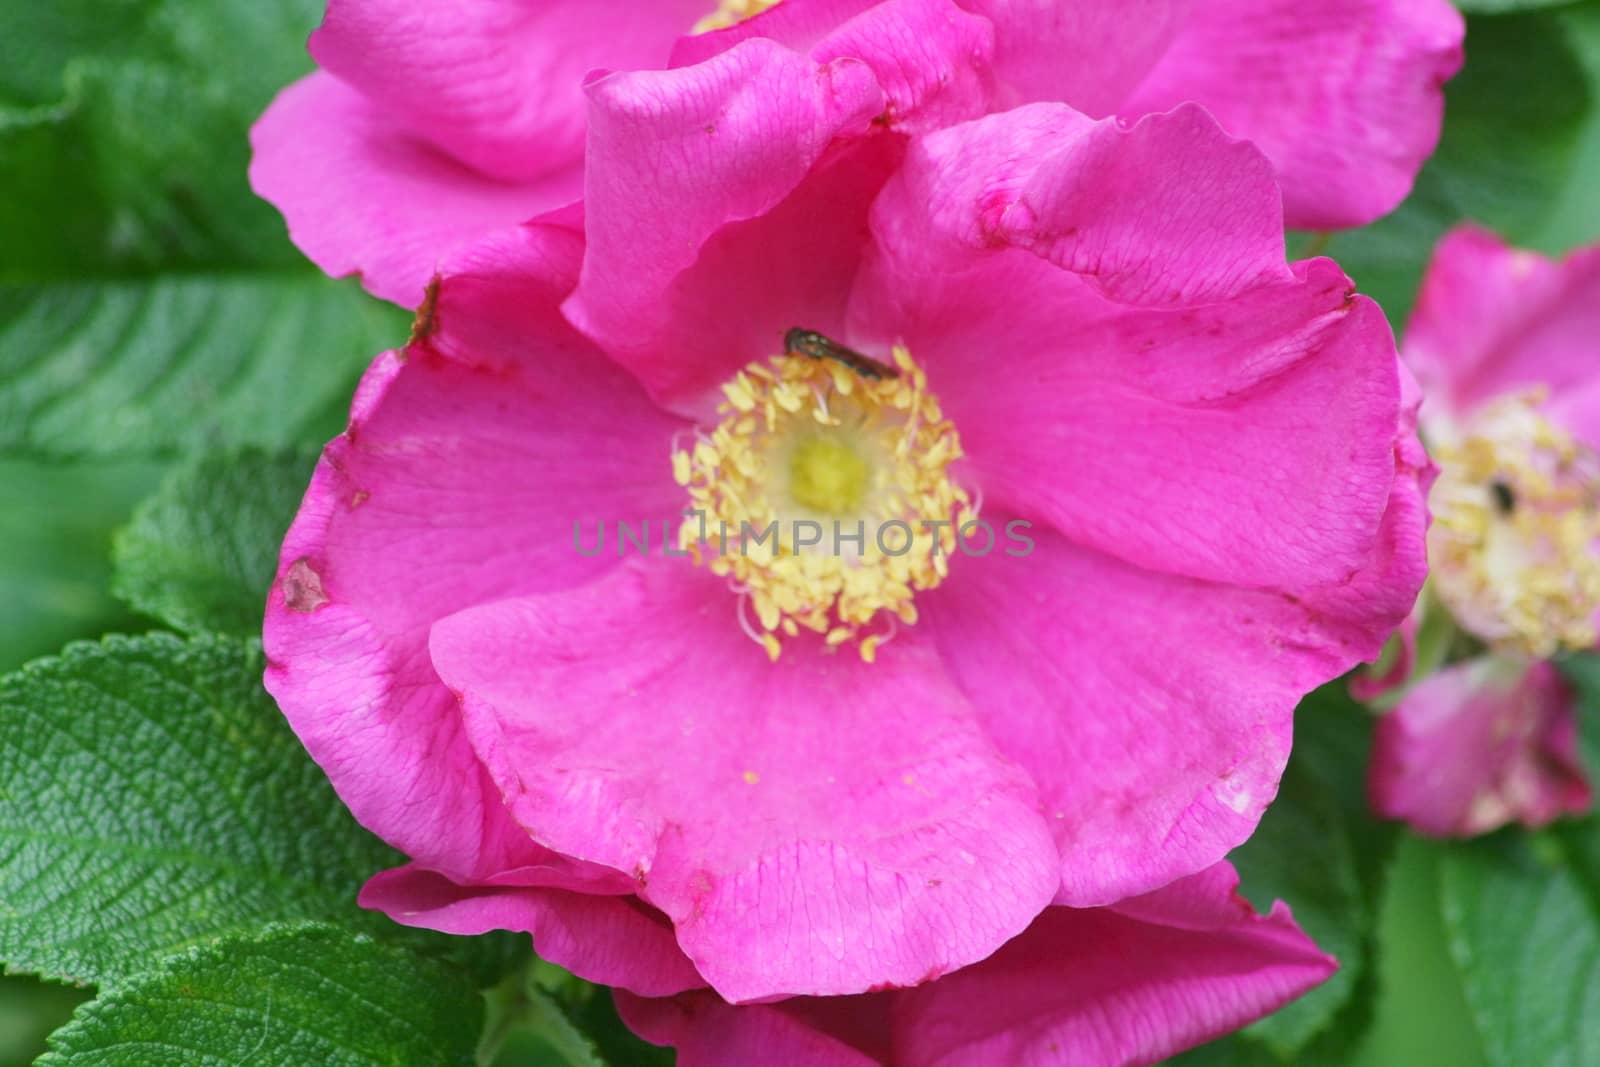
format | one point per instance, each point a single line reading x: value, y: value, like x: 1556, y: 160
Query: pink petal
x: 1578, y: 409
x: 1132, y: 984
x: 1247, y: 441
x: 1088, y: 53
x: 1478, y: 745
x: 467, y: 459
x: 1368, y: 687
x: 1345, y: 97
x: 1381, y: 597
x: 709, y: 1032
x: 498, y: 84
x: 1250, y: 463
x: 932, y: 59
x: 816, y: 826
x: 1144, y: 982
x: 676, y: 157
x: 796, y: 24
x: 1154, y: 712
x: 756, y: 279
x: 610, y: 939
x: 364, y: 195
x: 1493, y: 319
x: 1168, y: 212
x: 1404, y: 538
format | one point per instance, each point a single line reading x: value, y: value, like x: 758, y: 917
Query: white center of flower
x: 1516, y: 530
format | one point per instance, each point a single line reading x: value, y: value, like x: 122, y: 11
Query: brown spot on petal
x: 302, y: 588
x: 427, y: 320
x: 358, y: 498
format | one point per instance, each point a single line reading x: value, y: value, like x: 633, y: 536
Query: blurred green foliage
x: 55, y: 551
x: 1520, y: 153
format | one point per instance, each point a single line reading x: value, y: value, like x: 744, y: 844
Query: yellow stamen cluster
x: 811, y: 442
x: 730, y: 12
x: 1516, y: 530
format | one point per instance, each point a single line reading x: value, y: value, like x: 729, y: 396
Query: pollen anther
x: 731, y: 12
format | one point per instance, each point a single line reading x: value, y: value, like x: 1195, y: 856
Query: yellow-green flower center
x: 1516, y: 529
x: 825, y: 497
x: 827, y: 475
x: 730, y: 12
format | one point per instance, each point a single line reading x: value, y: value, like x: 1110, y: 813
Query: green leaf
x: 1583, y: 674
x: 29, y: 1010
x: 200, y: 554
x: 1524, y: 919
x: 306, y: 994
x: 45, y: 169
x: 1502, y: 7
x: 55, y: 541
x: 123, y: 152
x: 527, y: 1024
x: 161, y: 194
x: 1511, y: 126
x: 37, y: 41
x: 1333, y: 738
x: 142, y: 161
x: 1573, y: 217
x: 1318, y: 850
x: 151, y: 797
x: 1508, y: 151
x: 1407, y: 1007
x: 1421, y: 1016
x: 148, y: 367
x: 1304, y: 853
x: 592, y: 1010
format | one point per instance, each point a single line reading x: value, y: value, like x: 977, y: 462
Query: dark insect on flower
x: 813, y: 345
x: 1505, y: 499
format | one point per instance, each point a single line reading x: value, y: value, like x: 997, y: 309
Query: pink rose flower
x: 713, y: 768
x: 432, y: 124
x: 1478, y: 745
x: 1131, y: 983
x: 1502, y: 342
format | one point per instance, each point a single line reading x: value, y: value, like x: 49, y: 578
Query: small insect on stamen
x: 813, y: 345
x: 1505, y: 498
x: 1516, y: 517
